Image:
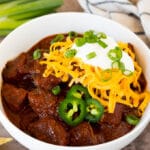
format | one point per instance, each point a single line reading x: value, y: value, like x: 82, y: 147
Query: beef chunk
x: 49, y: 130
x: 12, y: 68
x: 97, y: 131
x: 46, y: 83
x: 27, y: 116
x: 17, y: 72
x: 42, y: 102
x: 111, y: 132
x: 116, y: 117
x: 83, y: 135
x: 15, y: 97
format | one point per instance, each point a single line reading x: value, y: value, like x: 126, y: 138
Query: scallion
x: 70, y: 53
x: 80, y: 41
x: 101, y: 35
x: 90, y: 37
x: 91, y: 55
x: 56, y: 90
x: 115, y: 64
x: 127, y: 72
x: 132, y: 119
x: 57, y: 38
x: 36, y: 54
x: 102, y: 44
x: 106, y: 75
x: 118, y: 65
x: 115, y: 54
x: 15, y: 12
x: 72, y: 34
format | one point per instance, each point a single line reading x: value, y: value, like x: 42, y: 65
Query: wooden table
x: 141, y: 143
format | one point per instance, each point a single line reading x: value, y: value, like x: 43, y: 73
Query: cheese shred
x: 115, y: 90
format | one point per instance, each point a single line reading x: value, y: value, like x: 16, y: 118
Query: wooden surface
x: 141, y: 143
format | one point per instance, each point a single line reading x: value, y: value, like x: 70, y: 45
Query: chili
x: 94, y: 110
x: 72, y: 111
x: 78, y: 91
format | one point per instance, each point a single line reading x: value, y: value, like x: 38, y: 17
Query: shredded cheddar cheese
x: 116, y: 90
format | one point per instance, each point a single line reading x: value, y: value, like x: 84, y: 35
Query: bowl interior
x: 30, y: 33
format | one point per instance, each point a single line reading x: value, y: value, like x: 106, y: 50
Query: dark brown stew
x: 32, y: 107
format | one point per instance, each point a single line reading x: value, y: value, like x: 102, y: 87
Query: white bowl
x: 28, y: 34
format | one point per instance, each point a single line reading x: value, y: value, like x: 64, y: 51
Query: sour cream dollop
x: 101, y: 59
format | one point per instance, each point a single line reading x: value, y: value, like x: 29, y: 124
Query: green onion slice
x: 80, y: 41
x: 115, y: 54
x: 115, y: 64
x: 127, y: 72
x: 89, y: 34
x: 132, y: 119
x: 106, y: 75
x: 91, y: 55
x: 90, y: 37
x: 72, y: 34
x: 56, y: 90
x: 36, y: 54
x: 101, y: 35
x: 57, y: 38
x: 70, y: 53
x: 102, y: 44
x: 118, y: 65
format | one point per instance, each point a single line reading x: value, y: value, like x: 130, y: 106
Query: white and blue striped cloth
x: 134, y: 14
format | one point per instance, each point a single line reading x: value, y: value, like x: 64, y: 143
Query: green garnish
x: 132, y: 119
x: 57, y: 38
x: 78, y: 91
x: 90, y: 37
x: 118, y: 65
x: 102, y: 44
x: 91, y: 55
x: 36, y: 54
x: 101, y: 35
x: 56, y: 90
x: 94, y: 110
x: 106, y: 75
x: 72, y: 34
x: 72, y: 110
x: 15, y: 12
x: 80, y: 41
x: 127, y: 72
x: 115, y: 54
x: 70, y: 53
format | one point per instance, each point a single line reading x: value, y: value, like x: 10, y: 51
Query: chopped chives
x: 118, y: 65
x: 122, y: 66
x: 132, y: 119
x: 91, y: 55
x: 56, y: 90
x: 127, y: 72
x: 36, y: 54
x: 106, y: 75
x: 88, y: 34
x: 115, y: 54
x: 102, y: 44
x: 72, y: 34
x: 80, y: 41
x: 102, y: 35
x: 115, y: 65
x: 70, y: 53
x: 57, y: 38
x: 90, y: 37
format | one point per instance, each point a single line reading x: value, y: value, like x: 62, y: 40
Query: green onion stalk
x: 13, y: 13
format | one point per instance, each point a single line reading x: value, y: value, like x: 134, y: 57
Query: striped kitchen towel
x: 135, y: 14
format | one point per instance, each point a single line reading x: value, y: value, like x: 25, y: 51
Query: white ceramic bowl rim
x: 25, y: 31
